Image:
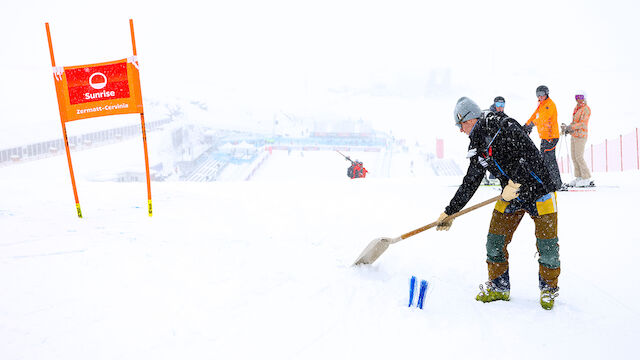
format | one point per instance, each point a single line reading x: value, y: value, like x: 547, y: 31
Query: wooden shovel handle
x: 450, y: 217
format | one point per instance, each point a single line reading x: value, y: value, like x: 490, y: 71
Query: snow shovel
x: 378, y: 246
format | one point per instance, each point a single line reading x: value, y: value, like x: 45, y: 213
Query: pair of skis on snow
x: 412, y: 289
x: 567, y: 187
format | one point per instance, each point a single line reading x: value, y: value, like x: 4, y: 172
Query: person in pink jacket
x: 579, y: 133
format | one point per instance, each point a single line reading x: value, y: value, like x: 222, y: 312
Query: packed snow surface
x: 263, y: 268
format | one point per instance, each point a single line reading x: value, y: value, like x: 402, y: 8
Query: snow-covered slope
x: 262, y: 269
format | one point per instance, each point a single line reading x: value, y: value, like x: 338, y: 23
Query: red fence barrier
x: 612, y: 155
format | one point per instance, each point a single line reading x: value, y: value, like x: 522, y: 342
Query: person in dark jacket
x: 499, y: 144
x: 498, y: 104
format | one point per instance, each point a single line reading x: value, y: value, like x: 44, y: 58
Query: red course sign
x: 104, y: 82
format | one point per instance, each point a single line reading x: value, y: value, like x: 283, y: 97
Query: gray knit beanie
x: 466, y: 109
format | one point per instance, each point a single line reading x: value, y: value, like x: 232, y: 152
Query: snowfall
x: 263, y: 268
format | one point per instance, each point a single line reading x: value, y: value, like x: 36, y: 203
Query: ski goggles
x: 579, y: 97
x: 540, y: 93
x: 499, y: 104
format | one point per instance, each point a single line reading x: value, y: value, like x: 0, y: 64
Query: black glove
x: 527, y: 128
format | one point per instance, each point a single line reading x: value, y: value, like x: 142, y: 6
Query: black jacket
x: 499, y: 145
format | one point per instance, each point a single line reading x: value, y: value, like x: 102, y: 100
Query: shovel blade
x: 373, y: 251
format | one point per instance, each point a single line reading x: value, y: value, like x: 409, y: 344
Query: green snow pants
x: 501, y: 230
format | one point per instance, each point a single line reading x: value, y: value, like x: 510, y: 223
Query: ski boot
x: 573, y: 182
x: 547, y: 297
x: 582, y: 183
x: 492, y: 293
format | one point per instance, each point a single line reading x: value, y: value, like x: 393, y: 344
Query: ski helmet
x: 581, y: 94
x: 542, y: 90
x: 465, y: 110
x: 498, y: 99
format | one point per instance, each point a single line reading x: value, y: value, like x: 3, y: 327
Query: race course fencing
x: 612, y: 155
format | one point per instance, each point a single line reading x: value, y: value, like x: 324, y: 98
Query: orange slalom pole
x: 133, y: 38
x: 64, y: 133
x: 146, y: 163
x: 144, y: 131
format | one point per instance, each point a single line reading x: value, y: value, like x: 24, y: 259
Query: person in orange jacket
x: 545, y: 118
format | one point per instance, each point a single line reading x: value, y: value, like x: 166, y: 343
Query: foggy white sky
x: 369, y: 59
